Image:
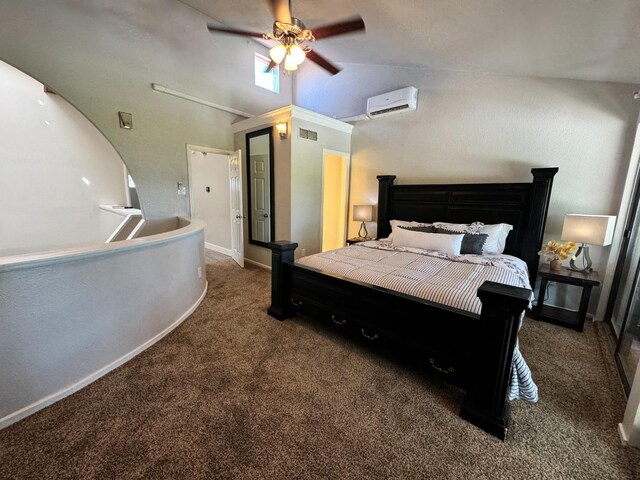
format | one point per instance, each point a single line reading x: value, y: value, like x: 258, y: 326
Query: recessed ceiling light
x: 85, y: 180
x: 41, y: 102
x: 47, y: 122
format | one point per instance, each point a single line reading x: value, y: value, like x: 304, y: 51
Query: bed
x: 471, y: 348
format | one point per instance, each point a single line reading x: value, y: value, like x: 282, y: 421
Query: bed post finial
x: 385, y: 182
x: 540, y: 199
x: 282, y: 253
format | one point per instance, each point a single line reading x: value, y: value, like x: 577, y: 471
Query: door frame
x: 199, y: 148
x: 237, y: 215
x: 346, y: 155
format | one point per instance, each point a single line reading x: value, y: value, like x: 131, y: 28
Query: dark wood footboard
x: 472, y: 352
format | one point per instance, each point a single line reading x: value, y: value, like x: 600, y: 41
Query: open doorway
x: 216, y: 198
x: 335, y: 201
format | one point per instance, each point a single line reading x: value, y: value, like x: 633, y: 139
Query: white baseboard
x: 65, y: 392
x: 225, y: 251
x: 257, y: 264
x: 623, y: 435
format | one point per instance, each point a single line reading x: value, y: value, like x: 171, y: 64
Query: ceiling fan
x: 291, y: 35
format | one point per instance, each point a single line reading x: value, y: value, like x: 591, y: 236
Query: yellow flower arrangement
x: 558, y: 251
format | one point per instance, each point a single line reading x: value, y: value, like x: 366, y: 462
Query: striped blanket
x: 450, y: 280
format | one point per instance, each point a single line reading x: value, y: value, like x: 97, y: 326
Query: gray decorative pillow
x: 472, y: 244
x: 423, y: 229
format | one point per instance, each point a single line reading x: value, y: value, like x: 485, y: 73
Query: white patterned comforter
x: 451, y: 280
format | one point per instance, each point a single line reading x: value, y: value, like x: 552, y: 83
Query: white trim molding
x: 629, y: 429
x: 291, y: 111
x: 169, y: 91
x: 218, y: 248
x: 257, y: 264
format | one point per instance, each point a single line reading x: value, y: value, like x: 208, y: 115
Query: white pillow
x: 497, y: 237
x: 440, y: 242
x: 402, y: 223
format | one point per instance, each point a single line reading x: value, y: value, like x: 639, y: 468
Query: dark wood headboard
x: 523, y: 205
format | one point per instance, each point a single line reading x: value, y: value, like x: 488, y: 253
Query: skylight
x: 269, y: 80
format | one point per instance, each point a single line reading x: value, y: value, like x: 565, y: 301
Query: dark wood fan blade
x: 233, y: 31
x: 270, y: 67
x: 323, y: 62
x: 347, y: 26
x: 281, y: 10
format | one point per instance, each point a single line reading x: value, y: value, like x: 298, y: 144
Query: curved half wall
x: 69, y: 317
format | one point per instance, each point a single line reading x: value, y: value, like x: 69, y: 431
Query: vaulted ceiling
x: 579, y: 39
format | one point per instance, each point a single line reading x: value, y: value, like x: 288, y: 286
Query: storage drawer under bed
x: 308, y: 307
x: 441, y: 365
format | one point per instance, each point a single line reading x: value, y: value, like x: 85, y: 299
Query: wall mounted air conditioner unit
x: 393, y: 102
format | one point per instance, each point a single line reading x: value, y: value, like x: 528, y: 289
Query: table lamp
x: 588, y: 230
x: 363, y: 213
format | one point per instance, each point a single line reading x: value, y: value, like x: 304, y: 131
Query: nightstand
x: 354, y: 240
x: 561, y: 316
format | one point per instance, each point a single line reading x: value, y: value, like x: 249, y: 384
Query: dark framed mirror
x: 260, y: 191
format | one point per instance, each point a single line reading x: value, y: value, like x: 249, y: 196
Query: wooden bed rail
x: 482, y: 355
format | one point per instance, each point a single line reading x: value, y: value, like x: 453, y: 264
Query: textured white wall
x: 478, y: 128
x: 102, y: 55
x: 306, y: 181
x: 46, y: 148
x: 66, y: 321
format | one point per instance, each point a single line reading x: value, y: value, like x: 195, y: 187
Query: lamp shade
x: 277, y: 53
x: 362, y: 213
x: 589, y: 229
x: 297, y: 54
x: 289, y: 63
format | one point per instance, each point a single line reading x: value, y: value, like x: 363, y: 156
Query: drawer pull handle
x: 338, y: 321
x: 367, y: 336
x: 296, y: 303
x: 441, y: 370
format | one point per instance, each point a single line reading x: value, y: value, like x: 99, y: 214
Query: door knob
x: 266, y: 215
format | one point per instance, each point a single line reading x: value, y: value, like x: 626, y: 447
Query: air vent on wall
x: 308, y: 134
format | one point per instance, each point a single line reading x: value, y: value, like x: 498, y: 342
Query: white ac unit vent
x: 393, y: 102
x: 308, y: 134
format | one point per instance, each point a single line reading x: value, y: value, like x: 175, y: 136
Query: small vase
x: 555, y: 265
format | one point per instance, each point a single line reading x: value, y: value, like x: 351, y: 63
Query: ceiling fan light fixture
x: 297, y: 54
x: 278, y: 53
x: 289, y: 63
x: 291, y: 34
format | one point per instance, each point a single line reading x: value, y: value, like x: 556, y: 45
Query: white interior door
x: 237, y: 220
x: 260, y: 193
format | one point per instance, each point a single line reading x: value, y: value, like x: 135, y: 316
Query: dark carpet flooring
x: 233, y: 393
